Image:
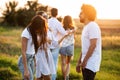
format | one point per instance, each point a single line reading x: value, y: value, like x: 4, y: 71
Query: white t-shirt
x: 56, y: 27
x: 68, y: 40
x: 42, y: 65
x: 30, y: 45
x: 91, y: 31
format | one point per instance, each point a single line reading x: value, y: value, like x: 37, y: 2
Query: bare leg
x: 63, y: 65
x: 46, y: 77
x: 68, y: 59
x: 41, y: 78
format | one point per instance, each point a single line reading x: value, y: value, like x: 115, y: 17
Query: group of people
x: 43, y: 39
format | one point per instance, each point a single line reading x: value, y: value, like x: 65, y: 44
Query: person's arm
x: 55, y: 43
x: 61, y: 30
x: 89, y: 52
x: 24, y: 59
x: 79, y: 64
x: 72, y: 32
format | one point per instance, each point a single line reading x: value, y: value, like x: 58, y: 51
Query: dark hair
x: 39, y: 13
x: 38, y: 26
x: 42, y: 13
x: 89, y: 11
x: 68, y: 22
x: 54, y: 12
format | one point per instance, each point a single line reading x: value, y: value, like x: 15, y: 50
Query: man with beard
x: 90, y: 57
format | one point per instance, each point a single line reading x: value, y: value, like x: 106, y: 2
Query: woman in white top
x: 29, y: 47
x: 67, y: 48
x: 44, y: 59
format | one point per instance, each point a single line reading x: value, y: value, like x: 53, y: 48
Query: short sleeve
x: 25, y: 33
x: 93, y: 31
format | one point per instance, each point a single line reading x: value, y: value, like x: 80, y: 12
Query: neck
x: 86, y: 21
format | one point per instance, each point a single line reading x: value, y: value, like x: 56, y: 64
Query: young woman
x: 37, y: 39
x: 67, y: 48
x: 33, y: 36
x: 29, y: 48
x: 44, y: 59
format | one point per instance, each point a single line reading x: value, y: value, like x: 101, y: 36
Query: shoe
x: 67, y: 77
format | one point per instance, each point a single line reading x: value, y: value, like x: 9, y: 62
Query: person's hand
x: 26, y: 75
x: 83, y: 65
x: 71, y: 31
x: 78, y: 68
x: 49, y: 41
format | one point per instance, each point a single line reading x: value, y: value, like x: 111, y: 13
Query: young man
x: 58, y: 32
x: 90, y: 57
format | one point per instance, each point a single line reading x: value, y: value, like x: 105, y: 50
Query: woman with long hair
x: 30, y: 46
x: 34, y: 39
x: 67, y: 48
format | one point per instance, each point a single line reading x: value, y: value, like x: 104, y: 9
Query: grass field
x: 10, y: 49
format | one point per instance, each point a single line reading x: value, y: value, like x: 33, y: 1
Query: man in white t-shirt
x: 90, y: 57
x: 58, y: 32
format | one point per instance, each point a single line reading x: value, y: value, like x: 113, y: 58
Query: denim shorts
x: 30, y: 65
x: 68, y: 51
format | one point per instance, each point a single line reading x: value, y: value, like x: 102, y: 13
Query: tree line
x: 21, y: 16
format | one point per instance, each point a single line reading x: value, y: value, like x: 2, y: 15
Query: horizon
x: 104, y: 9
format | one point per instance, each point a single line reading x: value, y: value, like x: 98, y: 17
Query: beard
x: 82, y: 20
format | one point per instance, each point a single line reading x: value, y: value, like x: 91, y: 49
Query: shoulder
x: 93, y: 25
x: 25, y: 33
x: 53, y: 20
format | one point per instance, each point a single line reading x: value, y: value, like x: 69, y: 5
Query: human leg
x: 55, y: 54
x: 68, y: 59
x: 20, y: 66
x: 88, y: 74
x: 30, y: 64
x: 70, y: 53
x: 41, y: 78
x: 63, y: 65
x: 44, y: 77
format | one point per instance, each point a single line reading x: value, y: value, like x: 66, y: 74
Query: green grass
x: 8, y: 67
x: 10, y: 49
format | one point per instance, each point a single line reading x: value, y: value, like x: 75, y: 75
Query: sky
x: 106, y: 9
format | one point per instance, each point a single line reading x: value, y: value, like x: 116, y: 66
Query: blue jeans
x: 55, y: 54
x: 30, y: 65
x: 67, y: 51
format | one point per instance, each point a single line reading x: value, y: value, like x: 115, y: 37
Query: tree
x: 22, y: 16
x: 9, y: 14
